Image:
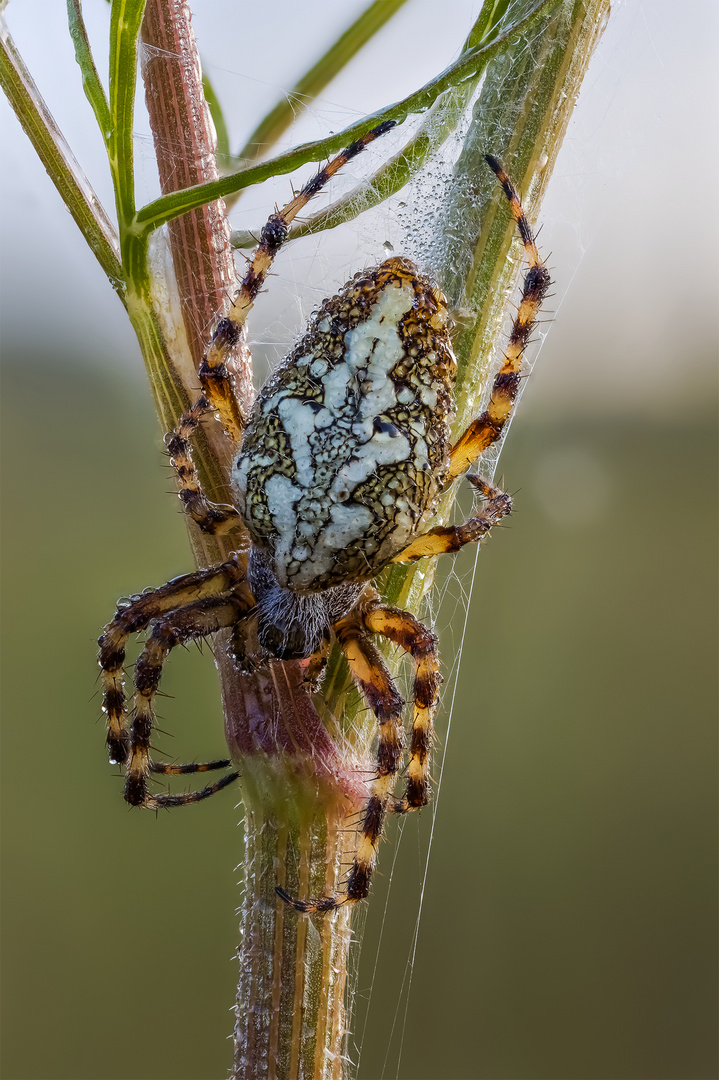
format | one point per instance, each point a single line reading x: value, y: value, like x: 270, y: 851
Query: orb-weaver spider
x: 345, y: 455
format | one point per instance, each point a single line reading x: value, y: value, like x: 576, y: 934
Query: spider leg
x: 410, y: 634
x: 194, y: 767
x: 211, y: 517
x: 450, y: 538
x: 315, y: 670
x: 374, y: 680
x: 488, y: 426
x: 136, y: 616
x: 196, y: 620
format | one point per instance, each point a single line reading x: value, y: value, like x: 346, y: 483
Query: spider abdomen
x: 347, y: 446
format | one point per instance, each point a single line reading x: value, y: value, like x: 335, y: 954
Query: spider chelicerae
x: 344, y: 457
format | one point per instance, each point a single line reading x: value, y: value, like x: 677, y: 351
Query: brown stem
x: 185, y: 147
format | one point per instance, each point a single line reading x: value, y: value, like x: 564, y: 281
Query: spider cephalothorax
x: 341, y: 463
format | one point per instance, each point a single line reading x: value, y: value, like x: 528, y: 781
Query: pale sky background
x: 629, y: 218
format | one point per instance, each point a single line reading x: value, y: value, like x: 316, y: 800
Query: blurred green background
x: 569, y: 916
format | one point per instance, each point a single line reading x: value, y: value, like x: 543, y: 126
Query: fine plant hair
x: 510, y: 94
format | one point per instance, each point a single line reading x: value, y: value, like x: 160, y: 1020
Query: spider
x: 344, y: 457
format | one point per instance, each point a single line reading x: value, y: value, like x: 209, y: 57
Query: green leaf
x: 91, y: 84
x: 169, y: 206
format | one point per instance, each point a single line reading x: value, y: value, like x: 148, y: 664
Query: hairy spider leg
x: 450, y: 538
x: 196, y: 620
x: 168, y: 769
x: 212, y: 518
x: 488, y: 426
x: 218, y: 394
x: 370, y: 673
x: 314, y: 672
x: 420, y: 642
x: 136, y: 616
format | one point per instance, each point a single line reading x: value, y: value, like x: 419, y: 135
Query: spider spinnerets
x: 344, y: 457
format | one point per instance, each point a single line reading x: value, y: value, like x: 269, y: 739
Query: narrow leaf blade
x: 91, y: 84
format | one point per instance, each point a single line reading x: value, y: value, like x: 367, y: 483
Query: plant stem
x: 185, y: 149
x: 296, y: 789
x: 290, y: 1011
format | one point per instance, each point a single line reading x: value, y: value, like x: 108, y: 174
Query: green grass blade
x: 218, y: 119
x: 489, y: 19
x: 125, y: 21
x: 320, y: 74
x: 161, y: 210
x: 57, y: 157
x: 91, y: 84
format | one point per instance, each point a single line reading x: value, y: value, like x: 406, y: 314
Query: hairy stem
x: 204, y: 269
x: 290, y: 1009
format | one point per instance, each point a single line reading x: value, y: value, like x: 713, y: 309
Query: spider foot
x: 415, y: 797
x: 314, y: 673
x: 320, y: 906
x: 118, y: 749
x: 136, y: 793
